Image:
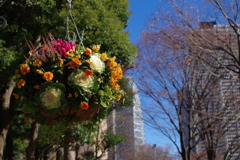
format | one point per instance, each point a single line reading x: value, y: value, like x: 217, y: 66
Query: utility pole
x: 154, y: 149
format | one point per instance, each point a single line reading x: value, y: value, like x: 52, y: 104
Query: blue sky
x: 141, y: 11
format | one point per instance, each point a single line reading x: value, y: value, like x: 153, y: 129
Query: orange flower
x: 36, y: 87
x: 60, y: 61
x: 95, y: 48
x: 117, y: 73
x: 117, y: 87
x: 39, y: 72
x: 78, y: 56
x: 88, y: 51
x: 76, y: 94
x: 48, y: 76
x: 118, y: 98
x: 26, y: 120
x: 111, y: 62
x: 33, y: 120
x: 15, y: 95
x: 114, y: 84
x: 69, y: 54
x: 24, y: 68
x: 104, y: 56
x: 84, y: 105
x: 113, y: 80
x: 21, y: 83
x: 16, y: 71
x: 37, y: 63
x: 74, y: 62
x: 88, y: 72
x: 69, y: 95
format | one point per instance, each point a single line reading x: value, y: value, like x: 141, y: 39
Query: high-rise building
x: 223, y: 101
x: 129, y: 122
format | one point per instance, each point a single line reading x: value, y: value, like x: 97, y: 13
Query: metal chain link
x: 67, y: 26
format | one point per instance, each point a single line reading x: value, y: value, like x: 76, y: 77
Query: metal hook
x: 3, y: 22
x: 69, y: 4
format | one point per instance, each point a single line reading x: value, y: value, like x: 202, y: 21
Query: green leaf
x: 30, y: 107
x: 103, y: 103
x: 100, y: 93
x: 95, y: 86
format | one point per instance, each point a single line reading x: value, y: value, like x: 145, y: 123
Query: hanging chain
x: 67, y: 26
x: 3, y: 21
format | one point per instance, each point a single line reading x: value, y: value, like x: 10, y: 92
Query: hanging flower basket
x: 62, y: 80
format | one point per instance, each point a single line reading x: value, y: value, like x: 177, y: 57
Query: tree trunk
x: 59, y: 153
x: 8, y: 151
x: 5, y: 118
x: 33, y: 141
x: 68, y: 146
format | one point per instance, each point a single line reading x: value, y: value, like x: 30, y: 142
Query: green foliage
x: 52, y: 134
x: 9, y: 61
x: 129, y: 94
x: 20, y: 146
x: 20, y: 128
x: 103, y: 23
x: 113, y: 139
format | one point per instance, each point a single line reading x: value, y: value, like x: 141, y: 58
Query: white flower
x: 96, y: 63
x: 81, y: 79
x: 51, y: 97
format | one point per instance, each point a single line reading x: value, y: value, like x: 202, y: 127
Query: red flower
x: 84, y: 105
x: 88, y: 72
x: 88, y: 51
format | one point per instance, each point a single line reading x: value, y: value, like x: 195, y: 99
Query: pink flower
x: 62, y: 47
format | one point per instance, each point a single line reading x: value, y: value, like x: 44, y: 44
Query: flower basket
x: 64, y: 81
x: 77, y: 115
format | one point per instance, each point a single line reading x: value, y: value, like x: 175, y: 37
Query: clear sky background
x: 141, y: 11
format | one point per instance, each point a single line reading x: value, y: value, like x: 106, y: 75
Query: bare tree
x: 150, y: 152
x: 179, y: 71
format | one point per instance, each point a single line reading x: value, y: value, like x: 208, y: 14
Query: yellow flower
x: 95, y: 48
x: 21, y: 83
x: 30, y: 53
x: 48, y: 76
x: 39, y: 72
x: 24, y: 68
x: 37, y: 63
x: 84, y: 105
x: 104, y: 56
x: 15, y: 95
